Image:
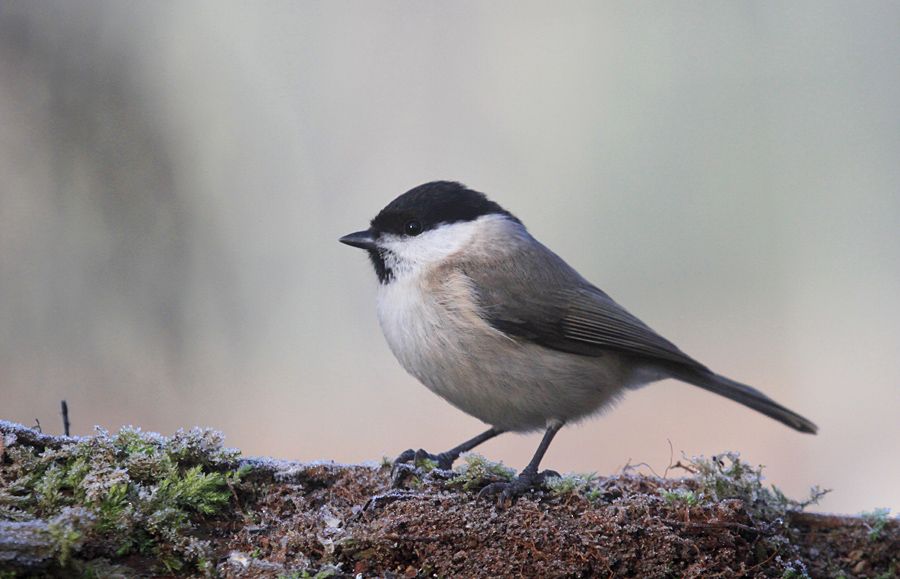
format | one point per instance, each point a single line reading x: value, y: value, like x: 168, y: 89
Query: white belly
x: 505, y: 382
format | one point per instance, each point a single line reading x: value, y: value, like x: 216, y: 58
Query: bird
x: 502, y: 328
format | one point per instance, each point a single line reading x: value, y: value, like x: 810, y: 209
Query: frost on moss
x: 478, y: 472
x: 133, y: 492
x: 583, y: 484
x: 726, y: 476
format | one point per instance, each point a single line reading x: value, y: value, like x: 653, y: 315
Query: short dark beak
x: 361, y: 239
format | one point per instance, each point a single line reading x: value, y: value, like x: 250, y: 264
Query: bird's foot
x: 442, y: 461
x: 512, y: 490
x: 409, y: 463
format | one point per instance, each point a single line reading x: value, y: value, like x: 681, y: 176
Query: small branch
x: 17, y: 434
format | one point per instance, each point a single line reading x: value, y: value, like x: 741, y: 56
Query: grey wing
x: 557, y: 308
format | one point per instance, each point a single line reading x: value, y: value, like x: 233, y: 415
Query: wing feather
x: 532, y: 294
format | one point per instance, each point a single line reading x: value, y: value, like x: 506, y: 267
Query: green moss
x: 876, y: 520
x: 583, y: 484
x: 681, y: 495
x: 478, y: 472
x: 137, y: 492
x: 427, y: 465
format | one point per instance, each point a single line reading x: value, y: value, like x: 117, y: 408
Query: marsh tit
x: 501, y: 327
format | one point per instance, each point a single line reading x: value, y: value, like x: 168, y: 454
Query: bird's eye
x: 412, y: 227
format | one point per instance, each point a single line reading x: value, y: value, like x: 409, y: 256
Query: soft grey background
x: 174, y: 177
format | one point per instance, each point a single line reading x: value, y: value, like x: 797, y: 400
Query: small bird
x: 501, y: 327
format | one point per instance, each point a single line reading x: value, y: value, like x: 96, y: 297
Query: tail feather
x: 750, y: 397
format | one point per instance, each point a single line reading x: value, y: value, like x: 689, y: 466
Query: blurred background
x: 174, y: 177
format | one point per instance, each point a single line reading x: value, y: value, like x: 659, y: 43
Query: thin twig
x: 671, y: 457
x: 65, y: 417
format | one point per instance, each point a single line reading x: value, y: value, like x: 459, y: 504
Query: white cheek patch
x: 405, y: 254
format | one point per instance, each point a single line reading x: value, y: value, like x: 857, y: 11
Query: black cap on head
x: 435, y: 203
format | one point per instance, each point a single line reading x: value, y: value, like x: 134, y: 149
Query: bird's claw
x: 410, y: 460
x: 512, y: 490
x: 444, y: 461
x: 508, y: 491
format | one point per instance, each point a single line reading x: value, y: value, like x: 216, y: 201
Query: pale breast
x: 423, y: 327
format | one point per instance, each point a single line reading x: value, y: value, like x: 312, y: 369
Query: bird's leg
x: 445, y: 460
x: 529, y: 475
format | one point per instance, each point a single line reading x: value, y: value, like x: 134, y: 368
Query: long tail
x: 750, y: 397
